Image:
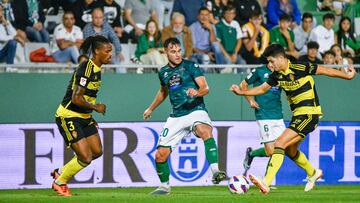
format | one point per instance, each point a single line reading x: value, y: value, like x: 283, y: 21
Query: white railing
x: 119, y: 68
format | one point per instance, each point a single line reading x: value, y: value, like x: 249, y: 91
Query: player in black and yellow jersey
x: 299, y: 86
x: 73, y: 116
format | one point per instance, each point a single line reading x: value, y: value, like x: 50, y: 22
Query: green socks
x: 258, y: 152
x: 163, y: 171
x: 211, y: 151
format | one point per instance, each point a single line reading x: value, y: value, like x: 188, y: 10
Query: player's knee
x: 86, y: 158
x: 203, y: 133
x: 161, y: 155
x: 97, y: 154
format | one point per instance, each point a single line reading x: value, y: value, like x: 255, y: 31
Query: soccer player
x: 73, y: 116
x: 268, y: 113
x: 297, y: 82
x: 186, y: 86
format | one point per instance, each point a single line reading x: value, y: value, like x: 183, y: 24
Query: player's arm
x: 79, y: 100
x: 159, y: 98
x: 203, y: 88
x: 262, y: 89
x: 244, y: 86
x: 331, y: 72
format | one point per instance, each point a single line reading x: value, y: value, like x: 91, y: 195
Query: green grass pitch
x: 218, y: 194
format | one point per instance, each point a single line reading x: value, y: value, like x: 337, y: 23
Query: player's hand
x: 254, y: 104
x: 235, y: 89
x: 351, y: 72
x: 147, y: 114
x: 100, y: 108
x: 192, y: 92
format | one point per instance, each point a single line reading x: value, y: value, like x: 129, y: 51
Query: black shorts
x: 304, y: 124
x: 74, y: 129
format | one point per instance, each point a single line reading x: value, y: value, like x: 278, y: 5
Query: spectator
x: 331, y: 5
x: 340, y: 58
x: 353, y: 9
x: 244, y: 9
x: 7, y: 39
x: 82, y: 10
x: 149, y: 49
x: 178, y: 29
x: 168, y: 6
x: 137, y: 13
x: 324, y: 34
x: 302, y: 33
x: 204, y: 39
x: 312, y: 53
x: 189, y: 8
x: 283, y: 35
x: 9, y: 16
x: 256, y: 39
x: 101, y: 27
x: 68, y: 38
x: 329, y: 57
x: 29, y: 18
x: 277, y: 8
x: 112, y: 12
x: 216, y: 8
x: 346, y: 37
x: 229, y: 33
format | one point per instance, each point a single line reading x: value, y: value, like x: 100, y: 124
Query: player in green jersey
x: 297, y: 82
x: 268, y: 113
x: 185, y: 84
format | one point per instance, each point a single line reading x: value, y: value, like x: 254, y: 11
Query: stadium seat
x: 31, y: 46
x: 128, y: 50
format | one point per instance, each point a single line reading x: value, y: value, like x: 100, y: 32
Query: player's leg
x: 171, y: 135
x: 269, y: 131
x: 163, y: 170
x: 73, y: 134
x: 204, y: 131
x: 299, y: 157
x: 288, y: 137
x: 93, y: 139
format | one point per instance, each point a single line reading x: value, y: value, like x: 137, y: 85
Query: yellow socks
x: 301, y: 160
x: 274, y: 165
x: 71, y: 169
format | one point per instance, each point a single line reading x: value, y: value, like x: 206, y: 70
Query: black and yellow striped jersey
x: 299, y: 87
x: 87, y: 75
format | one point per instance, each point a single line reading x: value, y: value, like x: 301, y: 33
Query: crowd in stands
x: 210, y: 31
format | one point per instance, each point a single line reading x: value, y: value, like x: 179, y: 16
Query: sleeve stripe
x: 88, y: 70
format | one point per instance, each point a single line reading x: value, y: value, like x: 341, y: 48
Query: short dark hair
x: 203, y: 9
x: 255, y: 13
x: 285, y: 17
x: 274, y: 50
x: 171, y: 41
x: 307, y: 15
x: 329, y: 52
x: 329, y: 16
x: 229, y: 8
x: 312, y: 45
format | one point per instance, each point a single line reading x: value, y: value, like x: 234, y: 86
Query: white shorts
x: 176, y: 128
x: 270, y: 130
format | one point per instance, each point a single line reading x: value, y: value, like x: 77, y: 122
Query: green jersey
x: 178, y: 80
x: 270, y: 102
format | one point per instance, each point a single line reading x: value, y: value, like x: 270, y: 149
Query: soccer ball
x: 238, y: 185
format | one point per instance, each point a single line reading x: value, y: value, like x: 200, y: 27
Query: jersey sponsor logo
x: 175, y: 82
x: 289, y: 83
x: 83, y: 81
x: 187, y: 165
